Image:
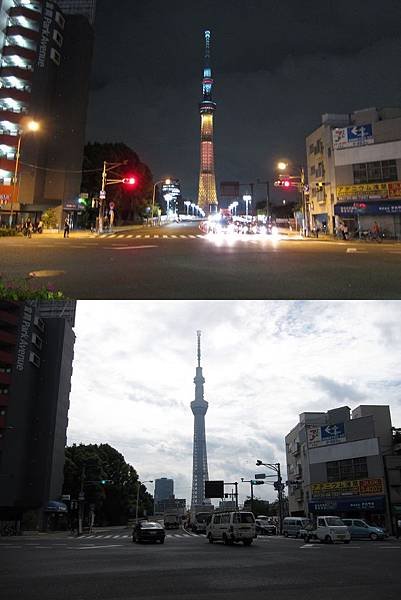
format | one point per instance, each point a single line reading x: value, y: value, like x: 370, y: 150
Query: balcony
x: 22, y: 11
x: 15, y: 94
x: 8, y: 338
x: 5, y: 378
x: 19, y: 51
x: 7, y: 164
x: 6, y: 139
x: 18, y: 30
x: 18, y: 72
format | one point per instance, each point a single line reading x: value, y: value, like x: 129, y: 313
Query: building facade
x: 86, y: 8
x: 336, y: 464
x: 207, y: 196
x: 35, y: 377
x: 44, y: 77
x: 354, y: 171
x: 164, y: 489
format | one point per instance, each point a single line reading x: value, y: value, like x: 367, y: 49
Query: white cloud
x: 264, y: 363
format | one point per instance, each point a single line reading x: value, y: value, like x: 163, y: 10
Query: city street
x: 180, y: 262
x: 109, y: 566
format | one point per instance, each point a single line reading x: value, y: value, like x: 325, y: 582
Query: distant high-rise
x: 199, y: 408
x: 53, y: 309
x: 87, y: 8
x: 164, y: 489
x: 207, y: 197
x: 36, y: 357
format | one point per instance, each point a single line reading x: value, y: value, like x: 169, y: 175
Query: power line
x: 60, y: 170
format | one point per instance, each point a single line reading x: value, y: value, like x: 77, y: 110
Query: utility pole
x: 81, y: 499
x: 267, y: 184
x: 278, y: 485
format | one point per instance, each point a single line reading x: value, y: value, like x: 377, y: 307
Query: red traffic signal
x: 286, y: 183
x: 129, y: 180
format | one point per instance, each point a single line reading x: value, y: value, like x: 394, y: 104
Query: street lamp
x: 33, y: 127
x: 168, y: 198
x: 279, y: 486
x: 166, y: 182
x: 247, y: 199
x: 187, y: 204
x: 193, y: 208
x: 137, y: 497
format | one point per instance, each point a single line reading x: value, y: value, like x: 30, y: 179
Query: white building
x: 354, y: 170
x: 335, y: 463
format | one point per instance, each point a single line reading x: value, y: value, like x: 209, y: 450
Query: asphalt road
x: 188, y: 567
x: 179, y: 262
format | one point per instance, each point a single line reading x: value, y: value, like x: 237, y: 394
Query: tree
x: 115, y: 499
x: 49, y: 218
x: 130, y: 203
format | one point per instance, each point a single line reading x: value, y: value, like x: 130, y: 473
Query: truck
x: 172, y: 521
x: 327, y: 529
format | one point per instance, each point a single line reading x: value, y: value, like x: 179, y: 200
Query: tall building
x: 354, y: 170
x: 35, y: 378
x: 87, y: 8
x: 199, y: 408
x: 63, y: 309
x: 207, y: 197
x: 45, y: 63
x: 164, y: 489
x: 345, y: 463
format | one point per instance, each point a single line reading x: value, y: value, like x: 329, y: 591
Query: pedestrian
x: 66, y: 228
x: 28, y: 228
x: 344, y: 231
x: 40, y: 226
x: 375, y: 230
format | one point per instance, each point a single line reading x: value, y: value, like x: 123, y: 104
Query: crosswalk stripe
x: 193, y: 237
x: 173, y: 236
x: 121, y: 235
x: 199, y: 236
x: 130, y: 236
x: 183, y: 236
x: 165, y: 236
x: 115, y: 536
x: 107, y: 536
x: 156, y: 236
x: 113, y: 235
x: 147, y: 236
x: 138, y: 236
x: 125, y: 536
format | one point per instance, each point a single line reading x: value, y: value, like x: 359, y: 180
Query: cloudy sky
x: 278, y: 66
x: 264, y: 363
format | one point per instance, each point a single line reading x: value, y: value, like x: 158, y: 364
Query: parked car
x: 360, y: 529
x: 231, y: 526
x: 292, y: 526
x: 265, y: 528
x: 148, y: 531
x: 329, y: 529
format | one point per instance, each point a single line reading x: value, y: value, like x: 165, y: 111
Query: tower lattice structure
x: 207, y: 197
x: 199, y: 408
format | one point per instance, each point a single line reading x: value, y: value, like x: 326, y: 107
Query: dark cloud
x: 338, y: 392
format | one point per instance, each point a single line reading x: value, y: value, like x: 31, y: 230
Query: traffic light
x: 257, y: 482
x: 129, y: 180
x: 285, y: 183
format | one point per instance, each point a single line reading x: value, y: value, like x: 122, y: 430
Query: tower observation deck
x: 199, y: 408
x: 207, y: 197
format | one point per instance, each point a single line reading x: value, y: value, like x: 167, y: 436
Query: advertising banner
x: 350, y: 137
x: 376, y: 503
x: 363, y: 190
x: 323, y: 436
x: 354, y: 487
x: 6, y: 194
x: 394, y: 189
x: 385, y: 207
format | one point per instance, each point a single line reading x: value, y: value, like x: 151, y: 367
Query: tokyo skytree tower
x: 207, y: 197
x: 199, y: 408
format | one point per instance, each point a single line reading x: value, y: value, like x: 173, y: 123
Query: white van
x: 293, y: 525
x: 329, y: 529
x: 231, y: 526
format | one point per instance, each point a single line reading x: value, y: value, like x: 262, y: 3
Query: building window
x: 353, y: 468
x: 40, y: 324
x: 312, y: 170
x: 375, y: 172
x: 312, y: 149
x: 34, y: 359
x: 37, y: 341
x: 58, y: 38
x: 55, y: 56
x: 60, y: 20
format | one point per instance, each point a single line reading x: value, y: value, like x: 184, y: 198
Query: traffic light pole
x: 81, y: 501
x: 277, y: 468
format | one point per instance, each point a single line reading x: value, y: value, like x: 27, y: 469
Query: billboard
x: 325, y: 435
x: 351, y: 137
x: 376, y: 503
x: 6, y: 194
x: 354, y: 487
x: 214, y: 489
x: 229, y: 189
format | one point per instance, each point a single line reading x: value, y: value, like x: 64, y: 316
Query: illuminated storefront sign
x: 369, y: 503
x: 350, y: 137
x: 355, y: 487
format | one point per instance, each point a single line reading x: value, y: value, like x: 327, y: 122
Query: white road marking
x: 147, y: 236
x: 138, y: 236
x: 96, y: 547
x: 133, y: 247
x: 165, y: 236
x: 156, y: 236
x: 130, y: 236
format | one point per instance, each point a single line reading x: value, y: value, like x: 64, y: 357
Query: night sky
x: 277, y: 65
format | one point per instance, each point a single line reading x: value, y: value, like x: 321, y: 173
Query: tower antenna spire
x: 199, y: 333
x: 207, y: 48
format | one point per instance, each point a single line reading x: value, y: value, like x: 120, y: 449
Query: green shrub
x: 7, y: 232
x: 27, y: 289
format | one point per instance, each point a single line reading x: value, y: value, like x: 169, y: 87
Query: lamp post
x: 247, y: 199
x: 166, y: 182
x: 267, y: 184
x: 187, y: 204
x: 31, y: 126
x: 279, y: 486
x: 283, y: 166
x: 137, y: 497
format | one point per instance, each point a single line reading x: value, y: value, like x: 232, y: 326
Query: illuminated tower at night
x: 199, y: 408
x: 207, y: 198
